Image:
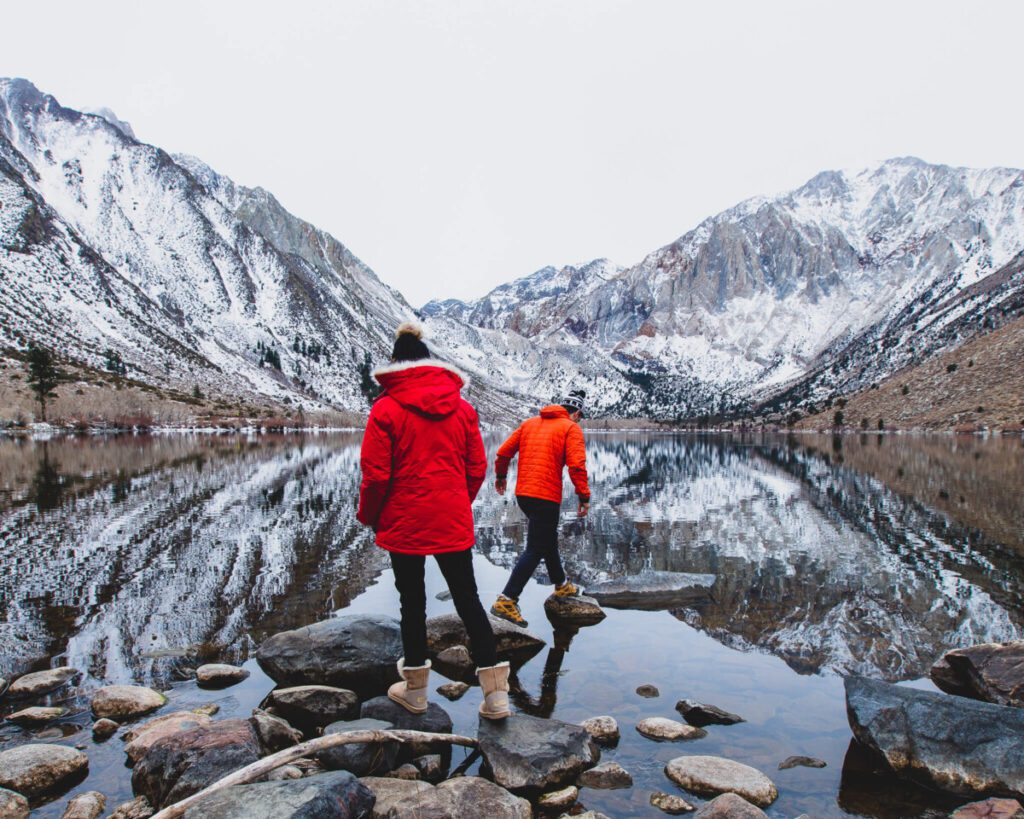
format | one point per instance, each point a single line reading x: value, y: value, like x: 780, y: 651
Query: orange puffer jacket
x: 546, y: 444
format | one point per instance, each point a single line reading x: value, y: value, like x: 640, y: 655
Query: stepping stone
x: 34, y: 769
x: 652, y: 590
x: 435, y: 721
x: 28, y: 717
x: 604, y: 730
x: 529, y: 755
x: 119, y: 702
x: 362, y: 759
x: 606, y: 776
x: 219, y: 675
x: 714, y: 775
x: 334, y: 794
x: 668, y: 729
x: 41, y: 682
x: 512, y: 642
x: 312, y: 706
x: 578, y: 611
x: 700, y: 714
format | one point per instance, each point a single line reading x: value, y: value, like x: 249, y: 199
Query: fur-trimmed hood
x: 428, y: 386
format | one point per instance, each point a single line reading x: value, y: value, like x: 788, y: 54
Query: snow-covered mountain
x: 776, y: 295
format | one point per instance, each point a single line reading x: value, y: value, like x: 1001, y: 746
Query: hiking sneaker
x: 567, y: 589
x: 507, y: 609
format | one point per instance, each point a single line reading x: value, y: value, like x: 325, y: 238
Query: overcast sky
x: 457, y: 145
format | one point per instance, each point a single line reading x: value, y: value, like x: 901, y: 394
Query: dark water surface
x: 137, y: 559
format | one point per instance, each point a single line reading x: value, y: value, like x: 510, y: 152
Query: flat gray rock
x: 465, y: 796
x: 33, y: 770
x: 955, y: 744
x: 357, y: 652
x: 334, y: 794
x: 580, y: 610
x: 729, y: 806
x: 993, y: 672
x: 714, y: 775
x: 13, y: 805
x: 392, y: 793
x: 312, y: 706
x: 652, y: 590
x: 668, y: 729
x: 529, y: 755
x: 512, y: 643
x: 436, y: 721
x: 120, y: 702
x: 362, y: 759
x: 605, y: 776
x: 219, y: 675
x: 41, y: 682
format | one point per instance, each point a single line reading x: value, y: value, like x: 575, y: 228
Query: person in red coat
x: 423, y: 463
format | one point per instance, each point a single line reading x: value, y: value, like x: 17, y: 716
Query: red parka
x: 423, y: 461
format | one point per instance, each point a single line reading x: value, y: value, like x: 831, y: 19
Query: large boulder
x: 714, y: 775
x: 141, y: 737
x: 512, y: 642
x: 652, y: 590
x: 357, y: 652
x: 464, y: 796
x: 392, y: 792
x: 13, y: 805
x: 435, y: 721
x: 41, y: 682
x: 580, y: 610
x: 310, y: 707
x: 993, y: 672
x: 951, y: 743
x: 185, y: 762
x: 120, y: 702
x: 33, y: 770
x: 529, y: 755
x: 331, y: 795
x: 729, y: 806
x: 363, y: 758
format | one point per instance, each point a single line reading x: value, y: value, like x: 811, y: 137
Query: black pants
x: 457, y: 568
x: 541, y: 544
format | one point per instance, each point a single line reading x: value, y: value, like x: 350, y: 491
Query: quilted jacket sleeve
x: 506, y: 452
x: 375, y: 460
x: 476, y: 457
x: 576, y: 460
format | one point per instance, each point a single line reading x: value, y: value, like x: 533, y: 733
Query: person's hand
x: 584, y: 508
x: 500, y: 485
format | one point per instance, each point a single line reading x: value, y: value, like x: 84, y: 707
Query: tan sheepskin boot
x: 494, y: 682
x: 411, y: 692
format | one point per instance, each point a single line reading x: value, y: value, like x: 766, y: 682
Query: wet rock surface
x: 668, y: 729
x: 36, y: 715
x: 670, y: 803
x: 435, y: 720
x: 581, y: 610
x: 87, y: 805
x: 140, y: 738
x: 35, y: 769
x: 993, y: 672
x: 185, y: 762
x: 356, y: 652
x: 952, y: 743
x: 606, y: 776
x: 513, y: 643
x: 335, y: 794
x: 120, y: 702
x: 41, y: 682
x: 364, y: 758
x: 309, y: 707
x: 729, y: 806
x: 801, y: 761
x: 529, y: 755
x: 219, y: 675
x: 653, y: 590
x: 701, y: 714
x: 604, y: 730
x: 13, y: 805
x: 714, y: 775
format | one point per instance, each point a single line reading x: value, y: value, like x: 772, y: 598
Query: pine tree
x: 368, y: 386
x: 43, y: 376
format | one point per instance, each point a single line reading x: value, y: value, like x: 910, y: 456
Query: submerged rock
x: 714, y: 775
x: 357, y: 652
x: 141, y: 737
x: 88, y: 805
x: 729, y: 806
x: 701, y: 714
x: 529, y: 755
x: 652, y: 590
x: 604, y: 730
x: 606, y: 776
x: 435, y: 720
x: 33, y: 770
x: 29, y: 717
x: 670, y: 803
x: 952, y: 743
x: 804, y: 761
x: 335, y: 794
x: 392, y: 793
x: 119, y: 702
x: 41, y: 682
x: 579, y: 611
x: 512, y: 643
x: 668, y: 729
x: 219, y: 675
x: 993, y: 672
x: 13, y: 805
x: 312, y: 706
x: 364, y: 758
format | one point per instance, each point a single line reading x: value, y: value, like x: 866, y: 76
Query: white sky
x: 457, y: 145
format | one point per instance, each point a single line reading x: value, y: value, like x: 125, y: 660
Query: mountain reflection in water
x: 869, y: 554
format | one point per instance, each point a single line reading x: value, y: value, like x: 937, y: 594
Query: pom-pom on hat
x: 574, y: 401
x: 409, y: 344
x: 409, y: 328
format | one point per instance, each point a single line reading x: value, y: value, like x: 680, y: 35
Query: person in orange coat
x: 546, y: 445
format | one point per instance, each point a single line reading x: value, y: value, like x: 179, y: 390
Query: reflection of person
x: 423, y: 463
x: 546, y: 444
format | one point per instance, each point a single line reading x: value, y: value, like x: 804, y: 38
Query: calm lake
x: 135, y: 559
